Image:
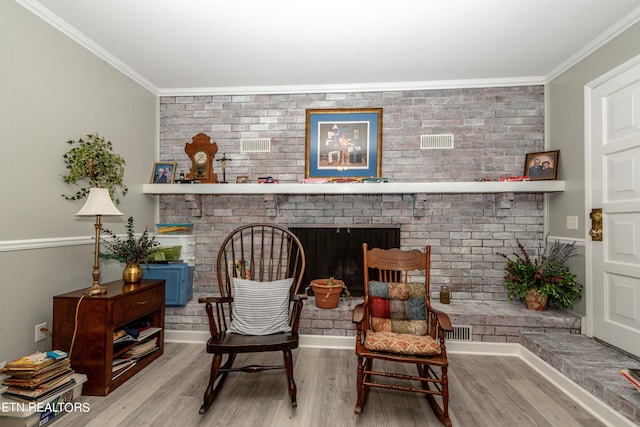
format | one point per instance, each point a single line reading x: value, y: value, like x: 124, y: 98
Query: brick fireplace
x: 493, y: 129
x: 336, y: 251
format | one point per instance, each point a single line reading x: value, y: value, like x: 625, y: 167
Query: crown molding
x: 604, y: 38
x: 354, y: 87
x: 65, y: 28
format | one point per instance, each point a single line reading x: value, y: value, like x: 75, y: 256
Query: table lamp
x: 99, y: 204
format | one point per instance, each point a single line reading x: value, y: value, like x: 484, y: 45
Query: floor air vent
x: 256, y: 145
x: 435, y: 142
x: 459, y: 333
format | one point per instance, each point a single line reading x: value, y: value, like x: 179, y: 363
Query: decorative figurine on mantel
x: 223, y: 162
x: 202, y: 151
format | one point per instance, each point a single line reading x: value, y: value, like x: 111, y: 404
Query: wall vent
x: 256, y: 145
x: 436, y: 142
x: 459, y: 333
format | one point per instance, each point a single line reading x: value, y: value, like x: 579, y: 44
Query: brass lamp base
x: 96, y: 290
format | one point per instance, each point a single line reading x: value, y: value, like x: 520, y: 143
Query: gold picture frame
x: 343, y: 143
x: 542, y: 165
x: 168, y: 174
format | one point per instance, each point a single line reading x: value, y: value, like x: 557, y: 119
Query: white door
x: 614, y: 163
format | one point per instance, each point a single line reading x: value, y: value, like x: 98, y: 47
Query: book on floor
x: 40, y: 375
x: 34, y: 362
x: 69, y: 384
x: 41, y: 391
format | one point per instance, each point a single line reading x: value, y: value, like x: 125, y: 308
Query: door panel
x: 623, y: 115
x: 622, y: 295
x: 622, y: 183
x: 614, y: 173
x: 623, y: 250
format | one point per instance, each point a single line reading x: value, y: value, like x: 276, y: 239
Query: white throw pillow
x: 260, y: 308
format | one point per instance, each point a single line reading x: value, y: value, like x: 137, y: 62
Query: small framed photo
x: 242, y: 179
x: 343, y: 143
x: 163, y: 173
x: 543, y: 165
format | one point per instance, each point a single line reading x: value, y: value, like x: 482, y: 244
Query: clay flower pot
x: 535, y: 301
x: 327, y: 292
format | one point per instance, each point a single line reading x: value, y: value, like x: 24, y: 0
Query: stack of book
x: 120, y: 366
x: 145, y: 344
x: 131, y: 334
x: 37, y: 376
x: 142, y: 349
x: 633, y: 375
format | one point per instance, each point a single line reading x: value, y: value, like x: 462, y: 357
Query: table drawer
x: 137, y: 305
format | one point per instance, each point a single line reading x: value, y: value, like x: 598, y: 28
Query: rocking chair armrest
x: 358, y: 313
x: 443, y: 319
x: 215, y: 300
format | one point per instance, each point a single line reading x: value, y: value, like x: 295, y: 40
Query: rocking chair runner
x: 260, y: 268
x: 396, y: 323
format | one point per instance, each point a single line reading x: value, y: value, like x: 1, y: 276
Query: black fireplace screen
x: 337, y: 252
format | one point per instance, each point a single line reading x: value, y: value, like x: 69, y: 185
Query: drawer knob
x: 142, y: 302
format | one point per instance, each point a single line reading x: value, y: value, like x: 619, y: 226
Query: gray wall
x: 565, y: 121
x: 53, y: 90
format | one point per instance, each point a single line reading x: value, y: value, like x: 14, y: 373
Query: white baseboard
x: 187, y: 337
x: 328, y: 341
x: 589, y: 402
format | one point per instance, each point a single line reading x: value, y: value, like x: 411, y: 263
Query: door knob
x: 596, y: 225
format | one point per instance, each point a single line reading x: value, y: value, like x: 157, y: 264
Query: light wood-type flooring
x: 485, y: 391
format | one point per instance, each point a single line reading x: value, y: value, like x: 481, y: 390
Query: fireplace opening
x: 336, y: 251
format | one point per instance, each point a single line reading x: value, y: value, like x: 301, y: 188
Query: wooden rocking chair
x: 259, y: 268
x: 396, y: 323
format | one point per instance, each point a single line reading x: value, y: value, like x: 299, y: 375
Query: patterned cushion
x: 398, y: 307
x: 401, y: 343
x: 260, y: 308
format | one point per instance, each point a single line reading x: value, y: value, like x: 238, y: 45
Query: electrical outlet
x: 572, y: 223
x: 41, y: 334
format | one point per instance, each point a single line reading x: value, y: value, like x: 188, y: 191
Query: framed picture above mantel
x: 345, y: 143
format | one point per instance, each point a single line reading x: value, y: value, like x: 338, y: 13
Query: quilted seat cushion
x: 410, y: 344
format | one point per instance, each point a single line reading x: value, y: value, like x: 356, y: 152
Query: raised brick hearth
x: 495, y: 321
x: 498, y: 321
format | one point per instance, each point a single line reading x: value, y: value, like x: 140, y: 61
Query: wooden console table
x: 99, y: 316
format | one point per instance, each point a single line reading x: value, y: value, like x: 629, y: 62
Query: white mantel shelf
x: 359, y: 188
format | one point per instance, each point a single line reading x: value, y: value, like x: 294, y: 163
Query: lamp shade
x: 99, y: 203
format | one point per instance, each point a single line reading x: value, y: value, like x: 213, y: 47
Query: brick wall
x: 493, y: 127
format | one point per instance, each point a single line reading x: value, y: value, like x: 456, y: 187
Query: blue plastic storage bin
x: 178, y: 288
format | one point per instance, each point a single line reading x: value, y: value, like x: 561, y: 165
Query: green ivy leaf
x: 93, y: 163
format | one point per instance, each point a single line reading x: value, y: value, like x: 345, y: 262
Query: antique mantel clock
x: 202, y: 151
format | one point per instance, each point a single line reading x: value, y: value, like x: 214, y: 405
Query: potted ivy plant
x: 328, y: 291
x: 543, y: 280
x: 91, y: 162
x: 132, y: 251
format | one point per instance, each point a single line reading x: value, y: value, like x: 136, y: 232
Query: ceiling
x: 257, y: 46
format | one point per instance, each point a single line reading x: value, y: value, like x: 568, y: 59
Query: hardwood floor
x: 485, y: 391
